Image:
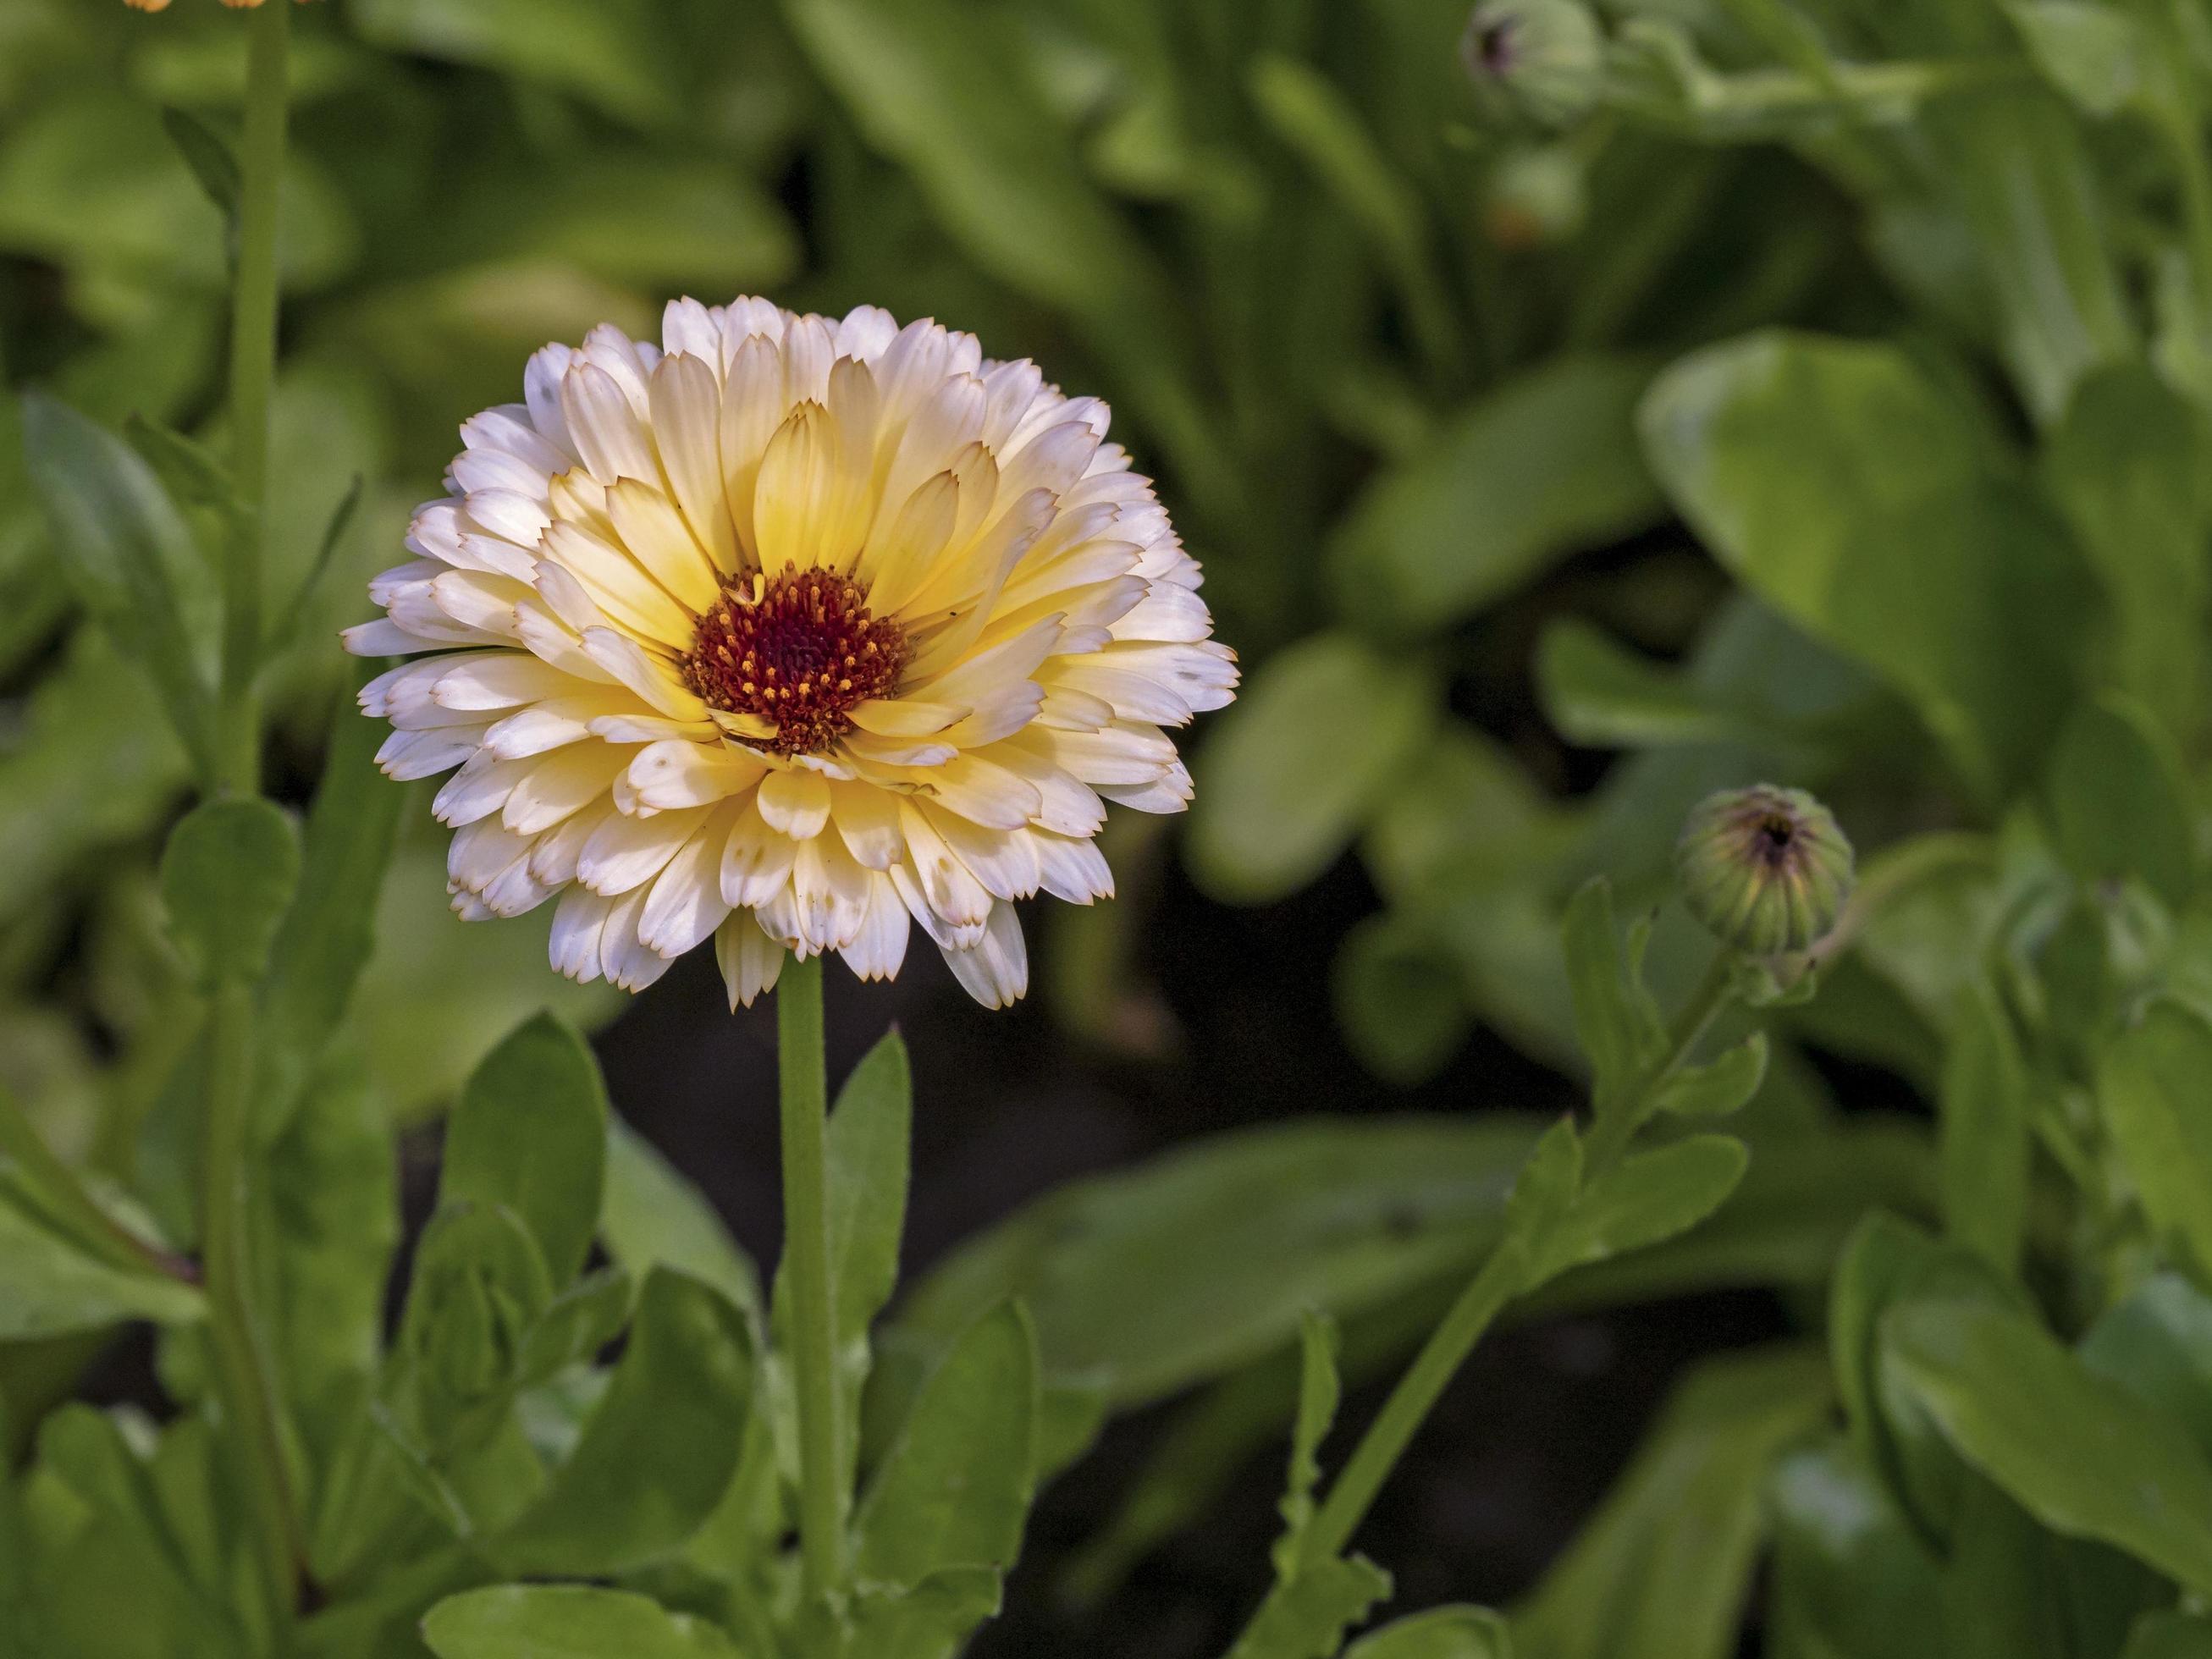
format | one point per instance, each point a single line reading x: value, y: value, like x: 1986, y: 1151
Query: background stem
x: 241, y: 1369
x: 252, y: 379
x: 812, y: 1305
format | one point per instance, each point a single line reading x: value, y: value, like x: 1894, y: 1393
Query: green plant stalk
x: 253, y: 380
x: 803, y: 1087
x: 242, y: 1367
x: 1502, y: 1278
x: 64, y: 1191
x: 1385, y: 1442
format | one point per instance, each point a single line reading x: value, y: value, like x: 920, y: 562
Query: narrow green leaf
x: 2152, y: 1089
x: 1667, y: 1562
x: 191, y: 472
x: 2093, y: 54
x: 1616, y: 1022
x: 130, y: 555
x: 302, y: 606
x: 2119, y: 806
x: 49, y: 1286
x: 1642, y: 1200
x: 566, y: 1621
x: 1600, y: 695
x: 1719, y: 1087
x: 955, y: 1489
x: 868, y: 1146
x: 657, y: 1454
x: 1439, y: 1633
x: 1544, y: 466
x: 228, y: 873
x: 1318, y: 1393
x: 329, y: 932
x: 1852, y: 1579
x: 1306, y: 1618
x: 1982, y: 1140
x: 530, y: 1133
x: 2076, y: 1451
x: 652, y: 1216
x: 1293, y: 771
x: 208, y: 155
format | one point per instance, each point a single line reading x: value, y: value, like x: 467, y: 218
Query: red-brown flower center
x: 800, y: 650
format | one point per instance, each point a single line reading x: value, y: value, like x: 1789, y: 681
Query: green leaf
x: 954, y: 1490
x: 2093, y: 54
x: 566, y: 1621
x: 1439, y: 1633
x: 479, y: 1284
x: 650, y: 1215
x: 2119, y: 806
x: 1319, y: 1391
x: 1982, y: 1140
x: 1400, y: 997
x: 228, y: 873
x: 1600, y: 694
x: 1644, y: 1199
x: 2157, y: 1344
x: 1294, y: 770
x: 1306, y: 1618
x: 288, y: 627
x: 2128, y: 465
x: 1820, y: 472
x: 1616, y: 1022
x: 1338, y: 1215
x: 933, y: 1620
x: 2151, y: 1088
x: 2170, y: 1636
x: 658, y: 1453
x: 1546, y: 466
x: 1888, y: 1263
x: 192, y: 474
x: 130, y: 558
x: 868, y: 1147
x: 1720, y: 1086
x: 209, y: 156
x: 332, y: 1188
x: 49, y: 1286
x: 530, y: 1133
x: 1852, y: 1580
x: 611, y: 53
x: 2076, y: 1451
x: 329, y: 932
x: 1666, y: 1563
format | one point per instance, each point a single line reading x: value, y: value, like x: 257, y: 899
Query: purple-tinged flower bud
x: 1534, y: 60
x: 1767, y: 870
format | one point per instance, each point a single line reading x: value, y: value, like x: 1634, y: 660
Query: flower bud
x: 1765, y: 869
x: 1533, y: 60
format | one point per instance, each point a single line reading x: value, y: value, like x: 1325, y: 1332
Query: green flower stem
x: 252, y: 379
x: 813, y: 1307
x: 1487, y: 1295
x: 1410, y: 1401
x: 1610, y: 1134
x: 242, y: 1367
x: 63, y: 1192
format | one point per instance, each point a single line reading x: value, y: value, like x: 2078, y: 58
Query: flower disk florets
x: 1766, y: 869
x: 798, y: 650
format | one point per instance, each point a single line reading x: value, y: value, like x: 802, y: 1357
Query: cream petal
x: 1066, y: 805
x: 795, y: 804
x: 560, y: 783
x: 1168, y: 793
x: 542, y: 726
x: 553, y: 855
x: 751, y: 961
x: 830, y: 893
x: 752, y: 409
x: 804, y: 499
x: 651, y: 678
x: 1004, y: 861
x: 675, y: 773
x: 906, y: 717
x: 655, y: 535
x: 756, y: 860
x: 495, y: 469
x: 688, y: 327
x: 686, y: 903
x: 867, y: 821
x: 477, y: 790
x: 626, y: 960
x: 995, y: 971
x: 984, y: 793
x: 687, y: 412
x: 578, y: 922
x: 619, y: 586
x: 951, y: 890
x: 494, y: 679
x: 1073, y: 868
x: 541, y: 394
x: 625, y: 851
x: 879, y: 949
x: 605, y: 427
x: 905, y: 545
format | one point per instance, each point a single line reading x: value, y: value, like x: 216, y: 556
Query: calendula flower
x: 163, y: 5
x: 788, y: 630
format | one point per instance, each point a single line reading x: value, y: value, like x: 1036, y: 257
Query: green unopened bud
x: 1534, y: 60
x: 1766, y: 869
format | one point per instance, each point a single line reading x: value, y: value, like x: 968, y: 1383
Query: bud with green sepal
x: 1766, y: 870
x: 1540, y: 61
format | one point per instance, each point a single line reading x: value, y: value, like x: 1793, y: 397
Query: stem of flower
x: 1410, y: 1401
x: 1609, y: 1135
x: 252, y: 377
x: 813, y: 1308
x: 242, y: 1367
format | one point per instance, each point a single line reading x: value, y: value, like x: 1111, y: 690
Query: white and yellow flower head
x: 786, y: 631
